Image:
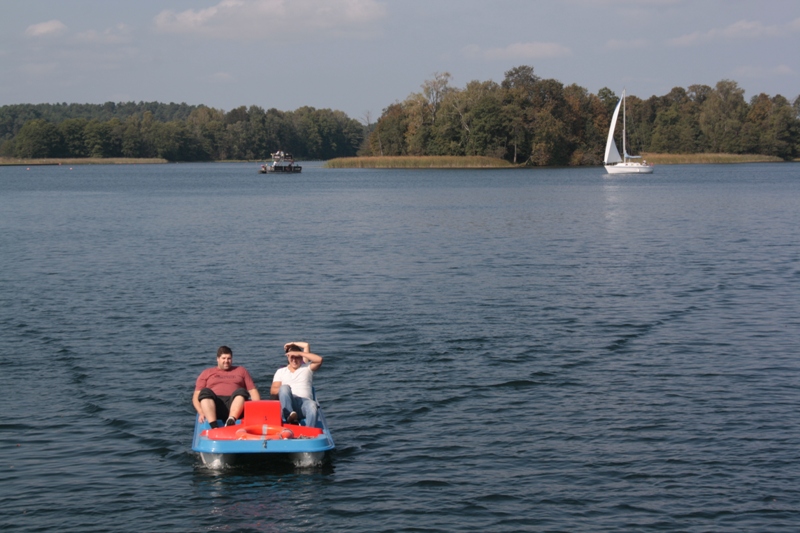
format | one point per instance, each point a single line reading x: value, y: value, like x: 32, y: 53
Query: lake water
x: 505, y: 350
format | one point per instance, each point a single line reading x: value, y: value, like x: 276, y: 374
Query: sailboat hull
x: 629, y: 168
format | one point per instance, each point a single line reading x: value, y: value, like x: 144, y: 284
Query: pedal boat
x: 261, y: 437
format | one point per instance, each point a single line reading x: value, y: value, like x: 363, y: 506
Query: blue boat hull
x: 301, y: 452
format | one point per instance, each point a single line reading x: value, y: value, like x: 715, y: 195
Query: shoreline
x: 424, y: 161
x: 701, y: 159
x: 54, y: 161
x: 411, y: 162
x: 468, y: 162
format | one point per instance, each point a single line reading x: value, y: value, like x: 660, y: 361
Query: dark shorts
x: 223, y: 403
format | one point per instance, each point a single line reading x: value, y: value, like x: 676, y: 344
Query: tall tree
x: 721, y: 117
x: 389, y: 133
x: 37, y: 139
x: 518, y: 88
x: 770, y: 127
x: 72, y: 132
x: 434, y: 91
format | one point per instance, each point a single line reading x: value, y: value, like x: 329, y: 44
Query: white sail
x: 614, y: 163
x: 612, y: 152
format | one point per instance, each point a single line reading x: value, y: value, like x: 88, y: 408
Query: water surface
x: 505, y: 350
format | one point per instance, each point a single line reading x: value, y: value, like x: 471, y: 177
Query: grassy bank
x: 694, y: 159
x: 418, y: 162
x: 79, y: 161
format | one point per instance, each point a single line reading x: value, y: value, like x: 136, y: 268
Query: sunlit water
x: 515, y: 350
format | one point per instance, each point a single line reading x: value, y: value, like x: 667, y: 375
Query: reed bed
x: 80, y: 161
x: 418, y: 162
x: 692, y: 159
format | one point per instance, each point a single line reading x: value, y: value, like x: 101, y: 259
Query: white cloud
x: 51, y: 27
x: 619, y: 44
x: 90, y: 51
x: 519, y: 51
x: 264, y: 19
x: 120, y: 34
x: 744, y: 29
x: 760, y: 72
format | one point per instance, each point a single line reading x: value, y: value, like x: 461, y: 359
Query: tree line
x: 524, y: 119
x: 176, y: 132
x: 529, y: 120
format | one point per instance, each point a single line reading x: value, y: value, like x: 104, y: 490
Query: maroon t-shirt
x: 222, y: 382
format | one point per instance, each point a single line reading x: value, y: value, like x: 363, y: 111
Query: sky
x: 360, y: 56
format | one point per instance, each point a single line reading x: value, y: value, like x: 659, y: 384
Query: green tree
x: 699, y: 93
x: 38, y: 139
x: 477, y: 111
x: 281, y: 134
x: 175, y: 142
x: 234, y: 140
x: 257, y: 134
x: 7, y: 145
x: 771, y: 127
x: 721, y: 117
x: 609, y: 99
x: 206, y: 125
x: 99, y: 142
x: 132, y: 142
x: 550, y: 144
x: 72, y: 133
x: 584, y: 117
x: 434, y: 91
x: 548, y: 140
x: 149, y: 133
x: 417, y: 124
x: 388, y: 138
x: 518, y: 88
x: 236, y: 115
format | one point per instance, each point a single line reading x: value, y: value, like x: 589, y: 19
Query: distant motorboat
x: 614, y: 163
x: 281, y: 162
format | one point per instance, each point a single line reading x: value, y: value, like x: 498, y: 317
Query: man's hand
x: 302, y: 345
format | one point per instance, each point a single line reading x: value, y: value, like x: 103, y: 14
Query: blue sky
x: 360, y: 56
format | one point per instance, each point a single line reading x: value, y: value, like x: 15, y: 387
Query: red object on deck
x: 262, y: 420
x: 262, y: 412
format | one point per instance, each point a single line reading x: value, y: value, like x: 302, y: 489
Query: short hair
x: 224, y: 350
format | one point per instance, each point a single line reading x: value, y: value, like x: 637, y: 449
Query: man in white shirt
x: 292, y: 384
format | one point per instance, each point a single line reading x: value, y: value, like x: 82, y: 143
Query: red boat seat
x: 262, y: 412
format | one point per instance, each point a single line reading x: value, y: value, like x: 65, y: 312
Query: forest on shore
x: 175, y: 132
x: 525, y: 120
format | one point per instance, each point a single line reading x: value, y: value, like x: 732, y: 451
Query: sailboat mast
x: 624, y: 149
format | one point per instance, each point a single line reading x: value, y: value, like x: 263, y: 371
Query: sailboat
x: 614, y: 163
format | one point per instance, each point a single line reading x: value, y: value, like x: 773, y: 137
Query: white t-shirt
x: 300, y: 380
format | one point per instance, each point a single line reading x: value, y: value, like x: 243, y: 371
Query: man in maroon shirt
x: 220, y: 391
